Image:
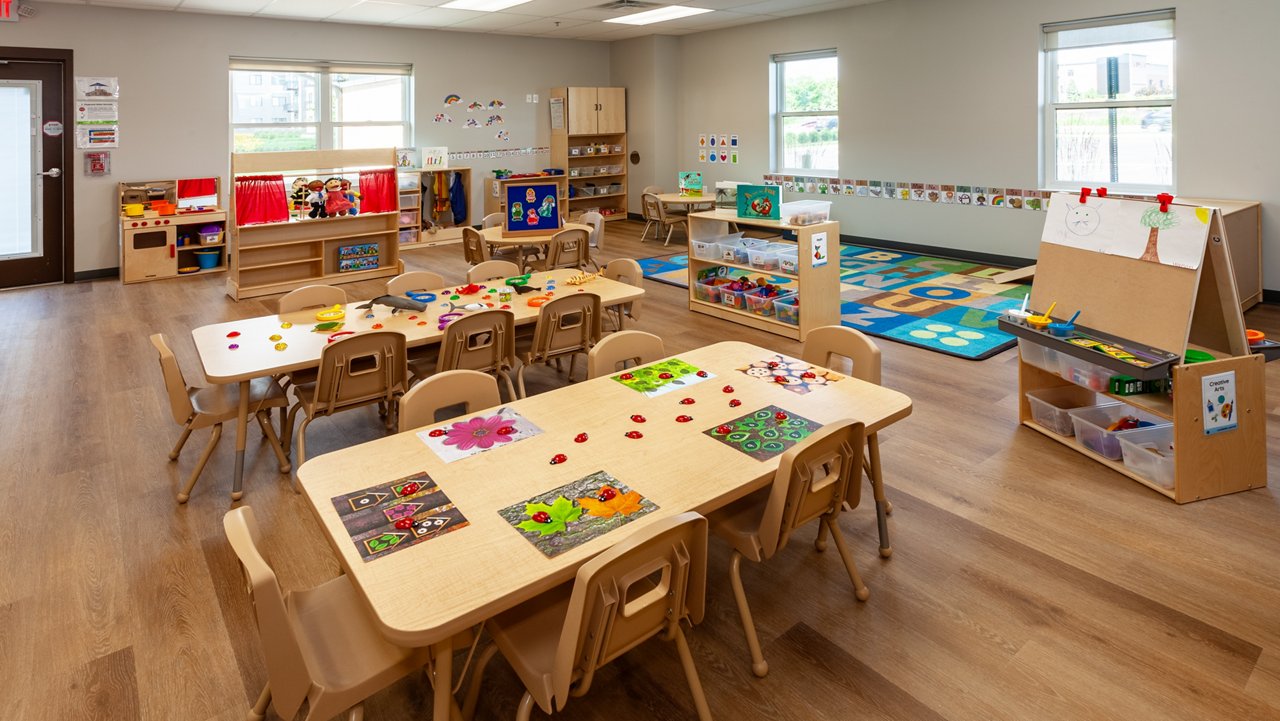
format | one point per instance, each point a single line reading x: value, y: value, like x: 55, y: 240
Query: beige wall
x: 944, y: 91
x: 174, y: 98
x: 646, y: 67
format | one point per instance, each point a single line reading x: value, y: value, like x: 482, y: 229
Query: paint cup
x: 1017, y: 315
x: 1039, y: 322
x: 504, y: 295
x: 1060, y: 329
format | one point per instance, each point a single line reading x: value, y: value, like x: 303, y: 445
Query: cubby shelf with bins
x: 155, y: 246
x: 271, y: 258
x: 817, y: 288
x: 592, y: 136
x: 417, y: 229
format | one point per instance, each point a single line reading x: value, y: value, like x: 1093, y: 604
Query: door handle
x: 52, y: 172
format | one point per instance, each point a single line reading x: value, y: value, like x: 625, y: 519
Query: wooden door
x: 612, y: 115
x: 582, y: 111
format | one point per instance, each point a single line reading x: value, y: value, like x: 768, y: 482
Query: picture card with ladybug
x: 794, y: 375
x: 765, y: 433
x: 662, y: 377
x: 458, y: 439
x: 385, y: 518
x: 575, y: 513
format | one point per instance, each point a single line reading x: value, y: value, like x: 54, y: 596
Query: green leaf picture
x: 560, y: 511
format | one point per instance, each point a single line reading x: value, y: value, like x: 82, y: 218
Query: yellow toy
x: 583, y: 278
x: 337, y: 312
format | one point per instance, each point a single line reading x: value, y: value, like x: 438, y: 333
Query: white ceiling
x: 568, y: 19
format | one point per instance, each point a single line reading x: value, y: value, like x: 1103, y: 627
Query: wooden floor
x: 1027, y: 581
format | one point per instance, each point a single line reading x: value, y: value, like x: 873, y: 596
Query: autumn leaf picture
x: 554, y: 523
x: 609, y: 502
x: 547, y: 519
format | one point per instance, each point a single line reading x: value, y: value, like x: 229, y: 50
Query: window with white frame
x: 300, y: 105
x: 1109, y: 95
x: 806, y: 113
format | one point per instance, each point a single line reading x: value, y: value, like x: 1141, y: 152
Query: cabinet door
x: 612, y: 117
x: 582, y: 111
x: 149, y: 254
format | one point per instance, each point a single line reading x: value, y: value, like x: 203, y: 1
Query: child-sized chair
x: 415, y: 280
x: 194, y: 408
x: 471, y: 389
x: 483, y: 341
x: 634, y: 346
x: 492, y: 270
x: 567, y: 326
x: 625, y: 270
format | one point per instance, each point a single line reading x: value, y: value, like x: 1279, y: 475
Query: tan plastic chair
x: 671, y: 221
x: 492, y: 220
x: 474, y: 249
x: 484, y: 342
x: 650, y: 211
x: 635, y: 346
x: 320, y: 645
x: 516, y: 254
x: 415, y: 280
x: 492, y: 270
x: 830, y: 343
x: 625, y: 270
x: 643, y: 586
x: 567, y: 249
x: 471, y: 389
x: 312, y: 296
x: 358, y: 370
x: 596, y: 237
x: 814, y: 479
x: 194, y: 408
x: 567, y: 326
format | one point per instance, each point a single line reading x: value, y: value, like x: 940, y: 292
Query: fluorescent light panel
x: 662, y: 14
x: 483, y: 6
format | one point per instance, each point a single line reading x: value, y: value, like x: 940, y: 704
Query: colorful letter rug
x: 948, y: 306
x: 765, y: 433
x: 662, y: 377
x: 456, y: 440
x: 794, y: 375
x: 385, y: 518
x: 571, y: 515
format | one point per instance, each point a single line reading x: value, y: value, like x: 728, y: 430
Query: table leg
x: 242, y: 435
x: 442, y: 653
x: 877, y: 490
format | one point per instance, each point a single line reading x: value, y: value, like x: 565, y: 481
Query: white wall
x: 944, y: 91
x: 174, y: 97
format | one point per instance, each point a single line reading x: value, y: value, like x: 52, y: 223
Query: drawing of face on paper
x: 1082, y: 219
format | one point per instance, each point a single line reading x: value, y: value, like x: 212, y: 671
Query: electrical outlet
x: 535, y: 98
x: 528, y: 98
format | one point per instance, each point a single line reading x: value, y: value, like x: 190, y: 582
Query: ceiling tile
x: 549, y: 8
x: 492, y: 21
x: 304, y: 9
x: 67, y: 2
x: 233, y: 7
x: 140, y: 4
x: 433, y: 18
x: 775, y: 7
x: 552, y: 26
x: 374, y: 12
x: 818, y: 7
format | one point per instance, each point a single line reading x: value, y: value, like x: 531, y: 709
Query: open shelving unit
x: 417, y: 197
x: 590, y: 144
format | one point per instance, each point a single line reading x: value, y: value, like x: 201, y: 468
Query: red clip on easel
x: 1102, y: 192
x: 1084, y: 195
x: 1164, y: 199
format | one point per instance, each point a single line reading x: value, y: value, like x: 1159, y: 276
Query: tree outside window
x: 807, y: 118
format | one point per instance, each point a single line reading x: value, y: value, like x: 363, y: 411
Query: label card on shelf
x: 1218, y: 402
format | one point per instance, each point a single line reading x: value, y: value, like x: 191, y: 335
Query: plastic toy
x: 337, y: 312
x: 421, y: 296
x: 583, y: 278
x: 469, y: 289
x: 395, y: 303
x: 1254, y: 336
x: 538, y: 301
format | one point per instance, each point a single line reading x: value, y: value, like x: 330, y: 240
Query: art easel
x: 1174, y: 309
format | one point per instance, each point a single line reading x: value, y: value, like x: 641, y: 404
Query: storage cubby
x: 591, y: 147
x: 170, y: 228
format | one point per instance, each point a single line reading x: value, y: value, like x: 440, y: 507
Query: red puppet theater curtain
x: 197, y: 187
x: 378, y: 191
x: 261, y: 199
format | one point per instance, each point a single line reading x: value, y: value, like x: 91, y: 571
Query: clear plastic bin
x: 1083, y: 373
x: 806, y: 212
x: 787, y: 309
x: 1149, y: 453
x: 708, y: 289
x: 1091, y: 426
x: 1040, y: 356
x: 735, y: 251
x: 789, y: 260
x: 734, y: 298
x: 1050, y: 406
x: 760, y: 304
x: 575, y: 172
x: 575, y: 151
x: 617, y: 148
x: 705, y: 250
x: 408, y: 235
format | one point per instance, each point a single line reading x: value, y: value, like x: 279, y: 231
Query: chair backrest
x: 843, y: 342
x: 491, y: 269
x: 312, y: 296
x: 175, y: 385
x: 625, y: 345
x: 483, y: 341
x: 596, y: 221
x: 652, y: 189
x: 814, y: 478
x: 668, y: 218
x: 567, y: 325
x: 491, y: 220
x: 472, y: 389
x: 651, y: 209
x: 474, y: 248
x: 414, y: 280
x: 640, y: 587
x: 287, y: 672
x: 569, y: 249
x: 360, y: 369
x: 627, y: 270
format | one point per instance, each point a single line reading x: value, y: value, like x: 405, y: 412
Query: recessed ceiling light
x: 483, y: 6
x: 670, y: 12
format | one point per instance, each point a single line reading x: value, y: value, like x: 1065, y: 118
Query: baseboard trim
x: 1270, y: 296
x: 96, y: 274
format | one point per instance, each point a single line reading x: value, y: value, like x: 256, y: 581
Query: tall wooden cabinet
x: 589, y: 141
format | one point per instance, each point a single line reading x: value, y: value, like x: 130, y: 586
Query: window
x: 1109, y: 97
x: 314, y: 106
x: 806, y: 105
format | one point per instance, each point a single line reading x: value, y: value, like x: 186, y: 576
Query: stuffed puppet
x: 335, y: 203
x: 316, y: 199
x: 298, y: 198
x: 352, y: 196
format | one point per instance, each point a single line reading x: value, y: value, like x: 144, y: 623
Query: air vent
x: 627, y: 5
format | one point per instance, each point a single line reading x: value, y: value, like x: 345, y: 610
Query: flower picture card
x: 455, y: 440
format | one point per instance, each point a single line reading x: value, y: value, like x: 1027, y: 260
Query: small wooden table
x: 426, y: 593
x: 256, y: 355
x: 688, y: 203
x: 493, y: 236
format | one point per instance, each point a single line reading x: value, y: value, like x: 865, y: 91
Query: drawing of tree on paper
x: 1156, y: 220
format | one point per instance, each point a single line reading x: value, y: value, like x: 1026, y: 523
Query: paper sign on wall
x: 819, y: 249
x: 1218, y: 401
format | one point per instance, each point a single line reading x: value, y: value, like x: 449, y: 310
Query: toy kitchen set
x: 170, y: 228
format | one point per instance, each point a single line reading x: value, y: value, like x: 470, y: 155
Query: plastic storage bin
x: 1050, y: 406
x: 708, y: 289
x: 705, y: 250
x: 1083, y: 373
x: 210, y: 235
x: 408, y: 235
x: 806, y: 212
x: 734, y: 298
x: 787, y: 309
x: 1091, y: 423
x: 789, y: 260
x: 760, y: 304
x: 1041, y: 357
x: 735, y: 251
x: 766, y: 257
x: 207, y: 259
x: 1149, y: 453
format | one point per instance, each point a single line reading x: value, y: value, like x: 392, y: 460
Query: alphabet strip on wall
x: 941, y: 193
x: 497, y: 153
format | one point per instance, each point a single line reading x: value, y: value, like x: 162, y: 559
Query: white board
x: 1129, y: 228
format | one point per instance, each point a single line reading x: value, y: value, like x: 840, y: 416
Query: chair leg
x: 182, y: 441
x: 302, y: 452
x: 883, y: 508
x: 691, y: 676
x: 526, y: 707
x: 670, y: 229
x: 185, y: 493
x: 356, y: 713
x: 477, y: 677
x: 759, y: 666
x: 820, y: 543
x: 286, y: 434
x: 859, y: 588
x: 259, y: 710
x: 264, y: 420
x: 573, y: 361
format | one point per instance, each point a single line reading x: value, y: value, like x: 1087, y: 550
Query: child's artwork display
x: 760, y: 201
x: 765, y: 433
x: 690, y: 184
x: 532, y: 209
x: 385, y: 518
x: 662, y: 377
x: 1175, y: 235
x: 577, y: 512
x: 456, y: 440
x: 794, y: 375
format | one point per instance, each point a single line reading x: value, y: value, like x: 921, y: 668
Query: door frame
x: 68, y: 239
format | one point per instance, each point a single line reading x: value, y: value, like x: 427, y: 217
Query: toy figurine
x: 352, y: 196
x: 335, y: 203
x: 298, y: 197
x: 316, y: 199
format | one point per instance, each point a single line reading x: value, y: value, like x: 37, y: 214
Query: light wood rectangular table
x: 256, y: 355
x: 426, y: 593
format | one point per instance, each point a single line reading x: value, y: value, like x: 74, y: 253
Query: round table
x: 690, y: 203
x: 493, y: 236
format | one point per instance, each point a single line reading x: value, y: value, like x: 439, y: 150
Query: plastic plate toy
x: 337, y: 312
